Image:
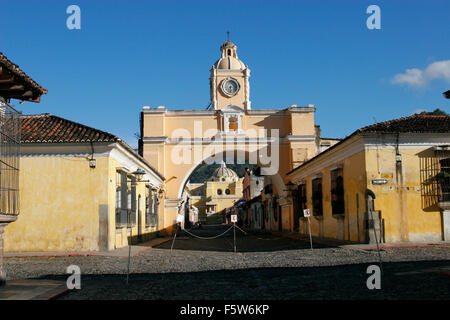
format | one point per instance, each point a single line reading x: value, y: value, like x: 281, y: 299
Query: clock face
x: 230, y: 87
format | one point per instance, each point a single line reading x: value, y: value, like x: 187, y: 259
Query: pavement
x: 345, y: 244
x: 36, y: 289
x: 32, y: 289
x: 120, y: 252
x: 278, y: 260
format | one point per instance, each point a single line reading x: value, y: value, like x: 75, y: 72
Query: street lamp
x: 291, y: 187
x: 139, y: 173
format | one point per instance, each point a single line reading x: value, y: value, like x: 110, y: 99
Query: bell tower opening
x: 229, y: 80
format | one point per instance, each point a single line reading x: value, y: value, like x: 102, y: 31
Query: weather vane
x: 228, y: 35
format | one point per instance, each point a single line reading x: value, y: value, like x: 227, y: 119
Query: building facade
x: 222, y: 190
x: 82, y: 189
x: 388, y: 181
x: 177, y: 142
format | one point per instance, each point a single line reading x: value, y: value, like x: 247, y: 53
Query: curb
x: 78, y: 254
x: 302, y: 239
x: 58, y: 294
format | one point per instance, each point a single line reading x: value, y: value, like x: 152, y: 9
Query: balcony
x: 9, y: 159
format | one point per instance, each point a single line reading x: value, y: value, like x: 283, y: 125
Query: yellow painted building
x: 82, y: 189
x: 384, y: 179
x: 177, y: 142
x: 221, y: 191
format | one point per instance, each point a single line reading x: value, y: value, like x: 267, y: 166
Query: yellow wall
x: 67, y: 206
x: 209, y: 195
x: 399, y: 201
x: 60, y: 199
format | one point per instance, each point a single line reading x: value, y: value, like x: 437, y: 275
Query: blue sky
x: 134, y: 53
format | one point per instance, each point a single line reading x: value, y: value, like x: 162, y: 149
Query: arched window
x: 229, y: 52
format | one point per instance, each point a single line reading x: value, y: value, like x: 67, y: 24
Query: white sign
x: 180, y: 218
x: 307, y: 213
x: 234, y: 218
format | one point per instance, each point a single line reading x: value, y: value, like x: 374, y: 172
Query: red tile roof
x: 22, y: 77
x: 47, y: 128
x: 412, y: 124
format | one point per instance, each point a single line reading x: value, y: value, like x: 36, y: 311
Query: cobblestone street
x: 265, y: 267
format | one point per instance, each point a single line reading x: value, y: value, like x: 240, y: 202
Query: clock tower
x: 229, y: 80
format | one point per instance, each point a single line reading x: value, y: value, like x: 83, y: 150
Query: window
x: 299, y: 200
x: 317, y: 197
x: 155, y: 220
x: 148, y: 206
x: 337, y: 191
x: 121, y: 199
x: 118, y: 197
x: 444, y: 180
x: 219, y: 192
x: 435, y: 176
x: 131, y: 202
x: 233, y: 124
x: 9, y: 159
x: 275, y: 209
x: 227, y: 191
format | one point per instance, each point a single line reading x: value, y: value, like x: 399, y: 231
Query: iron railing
x: 435, y: 178
x: 10, y: 130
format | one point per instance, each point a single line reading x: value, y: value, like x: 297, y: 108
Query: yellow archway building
x: 177, y: 142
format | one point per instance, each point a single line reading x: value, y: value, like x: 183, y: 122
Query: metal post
x: 310, y: 237
x: 129, y: 252
x: 234, y: 235
x: 174, y: 237
x: 376, y: 240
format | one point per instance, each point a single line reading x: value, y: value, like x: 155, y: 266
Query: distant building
x: 222, y: 190
x: 252, y: 211
x: 391, y: 179
x: 82, y: 189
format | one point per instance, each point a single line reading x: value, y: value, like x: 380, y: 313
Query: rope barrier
x: 208, y: 238
x: 241, y: 230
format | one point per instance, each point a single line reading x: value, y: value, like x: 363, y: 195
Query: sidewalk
x: 35, y: 289
x: 32, y: 289
x: 120, y: 253
x: 359, y: 246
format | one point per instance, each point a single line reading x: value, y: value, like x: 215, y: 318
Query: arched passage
x: 277, y: 180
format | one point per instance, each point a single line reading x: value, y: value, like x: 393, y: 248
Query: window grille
x: 10, y: 129
x: 337, y: 191
x: 132, y: 203
x: 118, y: 197
x: 435, y: 178
x: 148, y: 207
x: 317, y: 197
x: 299, y: 199
x: 155, y: 209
